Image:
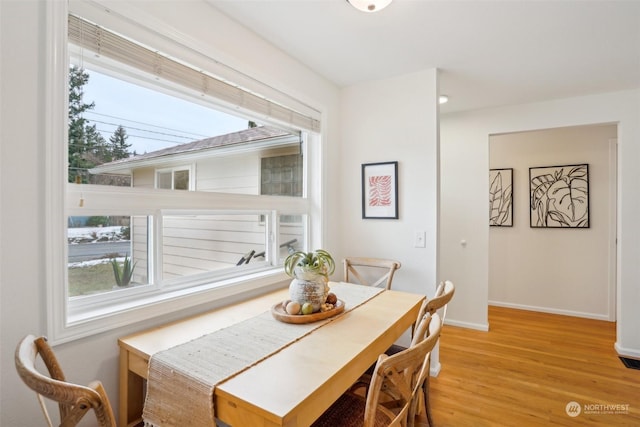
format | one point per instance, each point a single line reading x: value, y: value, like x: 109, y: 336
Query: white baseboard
x: 435, y: 369
x: 551, y: 310
x: 627, y: 352
x: 468, y: 325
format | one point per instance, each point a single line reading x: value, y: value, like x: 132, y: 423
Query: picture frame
x: 501, y: 197
x: 380, y: 190
x: 559, y: 196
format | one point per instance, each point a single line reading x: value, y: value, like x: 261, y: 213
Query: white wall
x: 23, y: 37
x: 563, y: 271
x: 391, y: 120
x: 465, y: 162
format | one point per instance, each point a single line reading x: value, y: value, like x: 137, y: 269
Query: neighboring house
x: 258, y: 160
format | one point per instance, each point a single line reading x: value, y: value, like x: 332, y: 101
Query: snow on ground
x: 81, y: 264
x: 88, y: 234
x: 78, y: 235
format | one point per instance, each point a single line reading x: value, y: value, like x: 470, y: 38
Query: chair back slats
x: 441, y: 299
x: 402, y: 374
x: 74, y: 401
x: 55, y: 371
x: 375, y: 272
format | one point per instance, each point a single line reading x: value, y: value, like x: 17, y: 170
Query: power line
x: 131, y: 135
x: 146, y: 124
x: 147, y: 137
x: 140, y: 129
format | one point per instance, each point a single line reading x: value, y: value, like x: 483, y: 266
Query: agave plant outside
x: 123, y: 276
x: 316, y: 262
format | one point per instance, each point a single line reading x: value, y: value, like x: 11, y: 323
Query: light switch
x: 419, y: 239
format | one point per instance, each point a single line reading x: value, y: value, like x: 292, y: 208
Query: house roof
x: 241, y: 138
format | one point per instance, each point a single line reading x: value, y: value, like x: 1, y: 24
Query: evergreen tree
x: 87, y: 148
x: 119, y: 146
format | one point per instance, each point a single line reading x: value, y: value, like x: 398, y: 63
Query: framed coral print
x: 380, y: 190
x: 559, y: 196
x: 501, y: 197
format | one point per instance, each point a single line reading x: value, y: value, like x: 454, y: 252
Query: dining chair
x: 444, y: 294
x: 392, y: 396
x: 74, y: 401
x: 376, y: 272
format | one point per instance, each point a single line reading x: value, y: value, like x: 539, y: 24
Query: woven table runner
x: 182, y: 379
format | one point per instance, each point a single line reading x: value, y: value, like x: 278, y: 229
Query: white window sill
x: 144, y: 307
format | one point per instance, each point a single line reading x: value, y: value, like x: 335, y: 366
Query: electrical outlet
x: 419, y: 239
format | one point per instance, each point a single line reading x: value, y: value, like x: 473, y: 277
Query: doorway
x: 563, y: 270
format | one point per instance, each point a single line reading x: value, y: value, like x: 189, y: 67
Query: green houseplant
x: 310, y: 272
x: 316, y: 262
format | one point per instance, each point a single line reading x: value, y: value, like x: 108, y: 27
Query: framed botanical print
x: 380, y: 190
x: 501, y: 197
x: 559, y: 196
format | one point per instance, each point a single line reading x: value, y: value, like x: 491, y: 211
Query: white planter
x: 309, y: 287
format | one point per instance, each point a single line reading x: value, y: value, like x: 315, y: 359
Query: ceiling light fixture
x: 443, y: 99
x: 369, y: 5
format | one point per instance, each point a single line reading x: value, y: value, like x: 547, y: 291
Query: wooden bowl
x: 279, y: 313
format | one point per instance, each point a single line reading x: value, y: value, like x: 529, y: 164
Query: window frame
x: 62, y: 200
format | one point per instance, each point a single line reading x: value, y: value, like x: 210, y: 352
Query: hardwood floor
x: 527, y: 368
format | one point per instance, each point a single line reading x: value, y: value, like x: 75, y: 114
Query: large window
x: 132, y: 246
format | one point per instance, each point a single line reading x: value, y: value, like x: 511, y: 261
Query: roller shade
x: 104, y: 42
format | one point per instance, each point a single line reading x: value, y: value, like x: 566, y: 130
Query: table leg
x: 131, y: 398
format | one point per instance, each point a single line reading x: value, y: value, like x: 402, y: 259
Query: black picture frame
x: 380, y: 190
x: 559, y: 196
x: 501, y: 197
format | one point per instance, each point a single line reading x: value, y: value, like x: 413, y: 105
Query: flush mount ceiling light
x: 369, y: 5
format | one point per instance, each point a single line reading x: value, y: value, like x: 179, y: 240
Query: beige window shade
x: 104, y: 42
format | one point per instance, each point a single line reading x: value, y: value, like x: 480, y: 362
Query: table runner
x: 182, y: 379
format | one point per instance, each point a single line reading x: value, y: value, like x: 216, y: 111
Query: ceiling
x: 489, y: 53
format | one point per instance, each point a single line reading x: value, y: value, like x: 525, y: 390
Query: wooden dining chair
x: 440, y: 300
x: 444, y: 294
x: 393, y: 393
x: 376, y: 272
x: 74, y: 401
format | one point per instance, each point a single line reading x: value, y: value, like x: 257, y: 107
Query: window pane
x: 95, y: 243
x: 121, y: 132
x: 164, y: 180
x: 222, y: 243
x: 292, y: 231
x: 181, y: 180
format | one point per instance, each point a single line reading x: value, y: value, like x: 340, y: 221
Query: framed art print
x: 501, y: 197
x: 559, y: 196
x: 380, y: 190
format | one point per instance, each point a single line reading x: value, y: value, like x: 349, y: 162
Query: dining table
x: 303, y: 369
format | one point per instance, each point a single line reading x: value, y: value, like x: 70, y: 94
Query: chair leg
x: 427, y: 405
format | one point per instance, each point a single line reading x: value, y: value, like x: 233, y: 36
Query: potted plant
x: 310, y: 272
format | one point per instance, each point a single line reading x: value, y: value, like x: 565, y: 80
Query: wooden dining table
x: 291, y: 387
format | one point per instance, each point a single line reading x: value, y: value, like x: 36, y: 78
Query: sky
x: 152, y: 119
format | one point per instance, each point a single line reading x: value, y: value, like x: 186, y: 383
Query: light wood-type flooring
x: 528, y: 368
